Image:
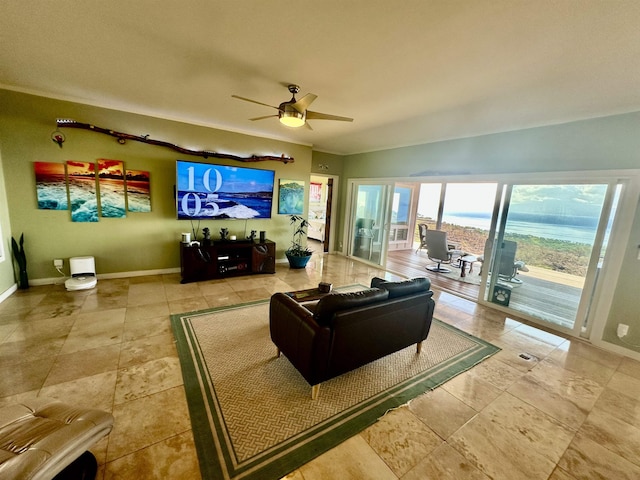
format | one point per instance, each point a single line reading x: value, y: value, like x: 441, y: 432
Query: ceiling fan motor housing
x: 290, y: 116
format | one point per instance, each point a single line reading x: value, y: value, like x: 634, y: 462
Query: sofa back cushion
x: 334, y: 302
x: 400, y: 289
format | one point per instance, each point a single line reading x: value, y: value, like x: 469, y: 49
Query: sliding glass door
x: 547, y: 250
x: 369, y: 221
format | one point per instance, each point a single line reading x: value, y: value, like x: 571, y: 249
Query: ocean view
x: 556, y: 231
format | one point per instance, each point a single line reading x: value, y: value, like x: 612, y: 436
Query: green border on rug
x: 341, y: 427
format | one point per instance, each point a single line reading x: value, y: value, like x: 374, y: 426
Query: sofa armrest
x: 299, y: 337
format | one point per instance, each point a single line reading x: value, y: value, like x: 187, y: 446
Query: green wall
x: 141, y: 241
x: 597, y: 144
x: 6, y: 265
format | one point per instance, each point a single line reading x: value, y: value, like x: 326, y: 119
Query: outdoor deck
x: 546, y: 295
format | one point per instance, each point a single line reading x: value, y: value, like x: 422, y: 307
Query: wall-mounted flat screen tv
x: 213, y: 192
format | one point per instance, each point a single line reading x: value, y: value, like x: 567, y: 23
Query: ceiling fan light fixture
x: 291, y: 117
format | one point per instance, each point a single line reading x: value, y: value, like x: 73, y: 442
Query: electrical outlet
x: 58, y: 262
x: 623, y: 330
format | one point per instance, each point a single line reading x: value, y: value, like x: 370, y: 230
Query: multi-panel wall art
x: 74, y: 187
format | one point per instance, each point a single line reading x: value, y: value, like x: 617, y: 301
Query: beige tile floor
x: 571, y: 412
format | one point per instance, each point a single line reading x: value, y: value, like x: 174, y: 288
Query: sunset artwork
x: 51, y: 187
x: 112, y: 188
x: 138, y: 191
x: 81, y: 183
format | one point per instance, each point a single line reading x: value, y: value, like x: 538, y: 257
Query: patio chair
x: 509, y: 267
x: 422, y: 230
x: 438, y: 250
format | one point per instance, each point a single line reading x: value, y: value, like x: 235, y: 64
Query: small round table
x: 464, y: 260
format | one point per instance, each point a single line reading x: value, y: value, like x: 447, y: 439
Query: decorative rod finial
x: 58, y: 137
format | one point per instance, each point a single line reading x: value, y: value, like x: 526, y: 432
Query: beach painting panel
x: 51, y: 186
x: 81, y: 182
x: 291, y: 197
x: 138, y: 191
x: 112, y: 188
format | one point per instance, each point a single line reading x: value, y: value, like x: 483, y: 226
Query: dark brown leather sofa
x: 344, y: 331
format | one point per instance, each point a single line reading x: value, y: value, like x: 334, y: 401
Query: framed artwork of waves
x: 81, y: 182
x: 51, y: 186
x: 138, y: 191
x: 112, y: 192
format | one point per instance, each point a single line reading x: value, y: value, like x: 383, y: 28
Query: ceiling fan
x: 294, y: 113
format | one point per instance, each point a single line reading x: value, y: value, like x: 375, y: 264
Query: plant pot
x: 23, y: 281
x: 296, y: 261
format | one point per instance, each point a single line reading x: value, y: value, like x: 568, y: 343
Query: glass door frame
x: 385, y: 212
x: 595, y: 285
x: 604, y: 286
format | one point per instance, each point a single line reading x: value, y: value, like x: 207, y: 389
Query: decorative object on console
x: 206, y: 237
x: 263, y: 236
x: 252, y: 236
x: 21, y: 259
x: 123, y: 137
x: 224, y: 233
x: 298, y: 254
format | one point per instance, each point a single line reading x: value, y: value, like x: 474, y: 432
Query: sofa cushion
x: 406, y: 287
x: 334, y: 302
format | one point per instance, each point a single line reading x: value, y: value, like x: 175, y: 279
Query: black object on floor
x: 85, y: 467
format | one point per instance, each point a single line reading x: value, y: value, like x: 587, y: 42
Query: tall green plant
x: 21, y: 260
x: 300, y: 225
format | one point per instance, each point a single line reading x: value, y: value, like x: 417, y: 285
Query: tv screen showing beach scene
x: 206, y: 191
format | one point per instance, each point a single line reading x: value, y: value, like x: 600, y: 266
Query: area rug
x: 252, y: 413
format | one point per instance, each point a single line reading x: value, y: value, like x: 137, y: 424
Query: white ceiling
x: 408, y: 72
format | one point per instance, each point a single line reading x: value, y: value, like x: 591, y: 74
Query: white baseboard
x: 140, y: 273
x: 7, y: 293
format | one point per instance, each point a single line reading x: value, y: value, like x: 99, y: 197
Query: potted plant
x: 21, y: 259
x: 298, y: 254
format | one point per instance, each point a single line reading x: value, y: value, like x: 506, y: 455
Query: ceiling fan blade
x: 306, y: 124
x: 262, y: 118
x: 302, y: 104
x: 326, y: 116
x: 253, y: 101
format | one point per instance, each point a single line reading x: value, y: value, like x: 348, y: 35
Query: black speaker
x: 263, y: 236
